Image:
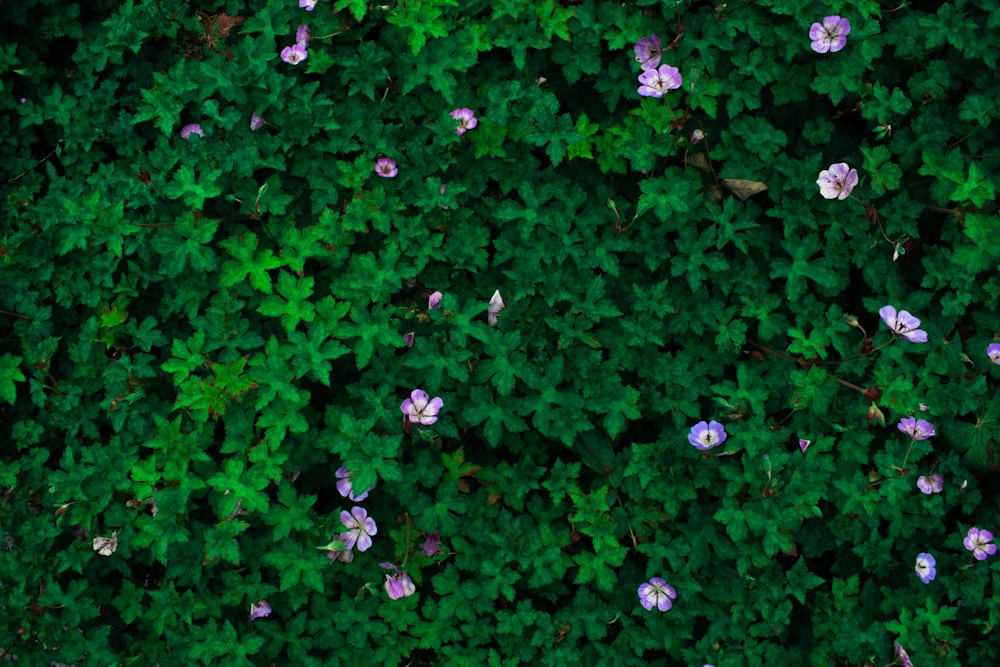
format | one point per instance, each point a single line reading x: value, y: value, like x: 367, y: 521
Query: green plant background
x: 196, y: 334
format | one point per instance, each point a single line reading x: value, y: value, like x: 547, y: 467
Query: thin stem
x: 23, y: 317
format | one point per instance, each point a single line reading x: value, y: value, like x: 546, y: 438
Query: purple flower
x: 705, y: 436
x: 697, y: 136
x: 977, y: 541
x: 302, y: 36
x: 345, y: 487
x: 804, y: 444
x: 408, y: 337
x: 188, y: 130
x: 918, y: 429
x: 496, y: 305
x: 444, y: 187
x: 657, y: 593
x: 259, y: 610
x: 308, y: 5
x: 932, y: 484
x: 901, y: 655
x: 398, y: 584
x: 434, y: 300
x: 648, y: 52
x: 386, y: 167
x: 466, y: 120
x: 430, y: 547
x: 925, y: 568
x: 420, y: 408
x: 903, y: 324
x: 831, y: 35
x: 837, y: 181
x: 993, y: 352
x: 360, y: 528
x: 343, y: 555
x: 256, y: 122
x: 655, y: 82
x: 295, y: 54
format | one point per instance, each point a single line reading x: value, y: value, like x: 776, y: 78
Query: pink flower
x: 831, y: 35
x: 655, y: 82
x: 420, y: 408
x: 408, y: 337
x: 386, y: 167
x: 434, y: 300
x: 398, y: 584
x: 259, y: 610
x: 918, y: 429
x: 302, y: 36
x: 929, y: 485
x: 430, y: 547
x: 903, y: 323
x: 346, y: 488
x: 804, y: 444
x: 256, y: 122
x: 496, y: 305
x: 978, y: 542
x: 188, y: 130
x: 993, y: 352
x: 293, y: 55
x: 308, y: 5
x: 648, y: 52
x: 360, y: 528
x: 657, y: 593
x: 466, y: 120
x: 837, y: 181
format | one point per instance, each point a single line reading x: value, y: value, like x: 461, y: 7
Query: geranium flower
x: 420, y: 408
x: 648, y: 52
x: 294, y: 54
x: 408, y: 337
x: 831, y: 35
x: 496, y: 305
x: 259, y: 610
x: 386, y: 167
x: 466, y: 120
x: 106, y: 546
x: 706, y: 435
x: 434, y: 300
x: 308, y: 5
x: 360, y: 528
x: 932, y: 484
x: 901, y: 655
x: 804, y: 444
x: 657, y: 593
x: 256, y: 122
x: 903, y: 324
x: 993, y: 352
x: 302, y: 36
x: 925, y: 568
x: 918, y: 429
x: 655, y: 82
x: 978, y: 542
x: 188, y: 130
x: 837, y: 181
x: 430, y: 546
x: 346, y: 488
x: 398, y: 584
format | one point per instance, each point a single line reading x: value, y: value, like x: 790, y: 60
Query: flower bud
x: 875, y: 415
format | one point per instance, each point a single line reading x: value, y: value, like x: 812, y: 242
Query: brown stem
x: 23, y: 317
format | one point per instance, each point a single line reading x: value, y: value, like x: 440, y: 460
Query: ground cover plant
x: 437, y: 332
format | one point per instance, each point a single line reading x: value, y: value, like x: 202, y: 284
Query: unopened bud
x: 875, y: 415
x: 851, y: 320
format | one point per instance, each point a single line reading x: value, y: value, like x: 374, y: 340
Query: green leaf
x: 291, y: 304
x: 245, y: 263
x: 9, y: 374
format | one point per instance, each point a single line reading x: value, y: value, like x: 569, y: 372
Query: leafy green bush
x: 241, y: 257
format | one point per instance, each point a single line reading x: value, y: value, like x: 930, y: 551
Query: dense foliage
x: 655, y: 331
